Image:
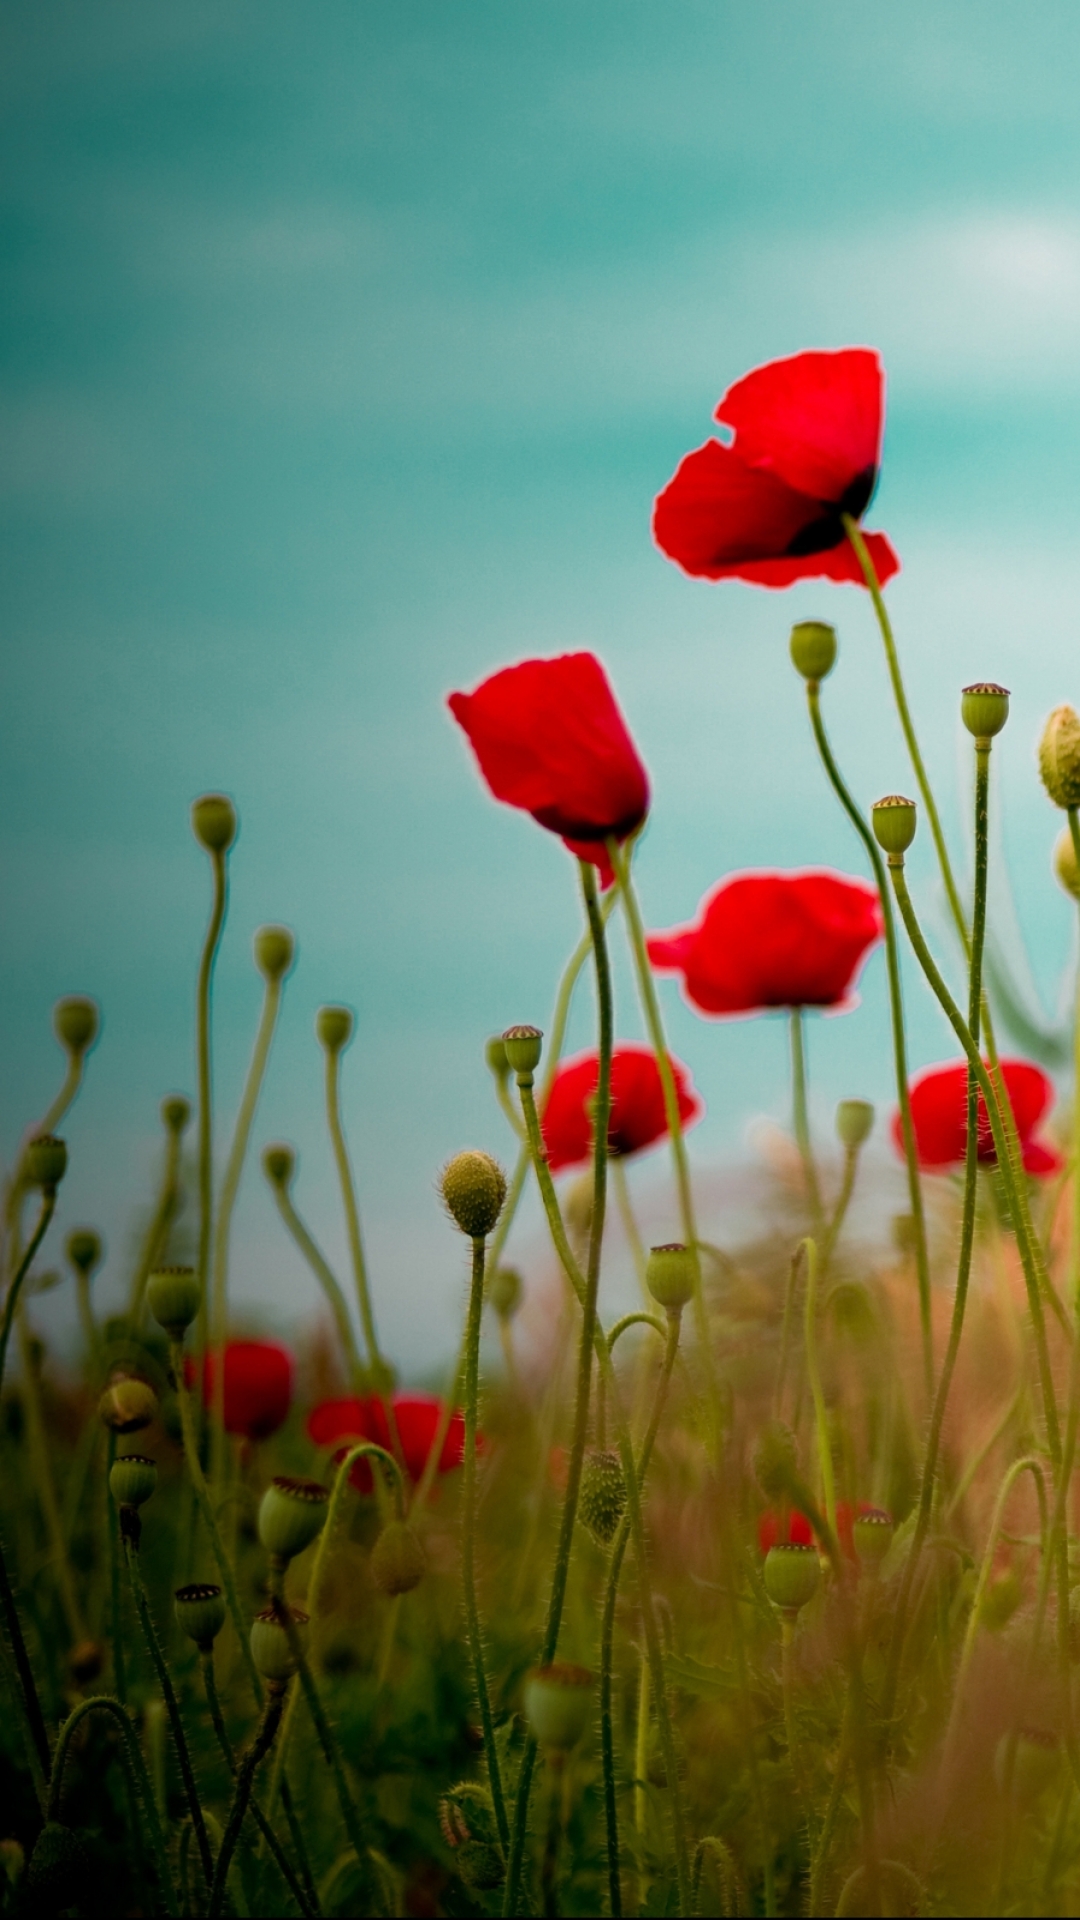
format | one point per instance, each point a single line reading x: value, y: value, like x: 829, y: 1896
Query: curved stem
x: 37, y: 1446
x: 206, y: 1085
x: 172, y: 1708
x: 245, y: 1780
x: 206, y: 1663
x: 327, y: 1741
x: 821, y: 1421
x: 331, y: 1287
x: 378, y: 1366
x: 820, y: 1858
x: 159, y: 1225
x: 635, y: 1320
x: 843, y: 1201
x: 48, y: 1208
x: 137, y: 1774
x: 802, y: 1121
x: 468, y: 1538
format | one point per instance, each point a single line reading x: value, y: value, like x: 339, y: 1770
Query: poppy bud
x: 59, y: 1871
x: 524, y: 1046
x: 397, y: 1559
x: 792, y: 1576
x: 473, y: 1188
x: 578, y: 1206
x: 495, y: 1055
x: 669, y: 1276
x: 1034, y: 1766
x: 46, y: 1162
x: 776, y: 1460
x: 128, y: 1404
x: 1059, y: 757
x: 602, y: 1501
x: 894, y: 821
x: 176, y: 1112
x: 175, y: 1296
x: 872, y: 1535
x: 270, y: 1649
x: 984, y: 708
x: 279, y: 1164
x: 1000, y: 1601
x: 334, y: 1028
x: 292, y: 1512
x: 558, y: 1700
x: 854, y: 1122
x: 813, y: 649
x: 75, y: 1023
x: 213, y: 822
x: 200, y: 1613
x: 132, y: 1479
x: 504, y: 1291
x: 1065, y: 864
x: 274, y: 949
x: 83, y: 1249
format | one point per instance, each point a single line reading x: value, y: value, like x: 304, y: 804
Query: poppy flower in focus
x: 774, y: 940
x: 258, y: 1386
x: 939, y: 1116
x: 549, y: 738
x: 637, y: 1105
x: 341, y: 1423
x: 806, y: 450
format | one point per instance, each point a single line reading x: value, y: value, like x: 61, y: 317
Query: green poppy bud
x: 279, y: 1164
x: 1038, y: 1756
x: 176, y: 1112
x: 984, y: 708
x: 602, y: 1501
x: 291, y: 1513
x: 776, y: 1460
x: 334, y: 1028
x: 1000, y: 1601
x: 270, y: 1649
x: 46, y: 1162
x: 275, y: 950
x: 83, y: 1249
x: 59, y: 1871
x: 854, y: 1122
x: 1059, y: 757
x: 174, y: 1295
x: 1065, y: 864
x: 558, y: 1703
x: 132, y: 1479
x: 813, y: 649
x: 504, y: 1291
x: 872, y: 1535
x: 128, y: 1404
x: 669, y: 1276
x: 495, y: 1055
x: 473, y: 1187
x: 524, y: 1046
x: 76, y: 1022
x: 894, y: 821
x: 200, y: 1613
x: 213, y: 822
x: 397, y: 1559
x: 792, y: 1576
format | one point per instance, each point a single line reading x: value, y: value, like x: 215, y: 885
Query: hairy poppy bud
x: 495, y: 1055
x: 59, y: 1871
x: 504, y: 1291
x: 175, y: 1296
x: 397, y: 1559
x: 213, y: 822
x: 75, y: 1023
x: 602, y: 1501
x: 176, y: 1112
x: 200, y: 1613
x: 984, y: 708
x: 46, y: 1162
x: 83, y: 1249
x: 792, y: 1576
x: 776, y: 1460
x: 872, y: 1535
x: 1059, y: 757
x: 334, y: 1027
x: 524, y: 1046
x: 669, y: 1276
x: 275, y: 950
x: 128, y: 1404
x: 558, y: 1700
x: 473, y: 1187
x: 132, y: 1479
x: 894, y: 821
x: 813, y: 648
x: 291, y: 1513
x: 1065, y: 864
x: 270, y: 1649
x: 279, y: 1164
x: 854, y: 1122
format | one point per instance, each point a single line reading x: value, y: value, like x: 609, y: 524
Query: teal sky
x: 343, y: 351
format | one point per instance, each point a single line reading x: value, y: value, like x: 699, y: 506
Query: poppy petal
x: 815, y: 421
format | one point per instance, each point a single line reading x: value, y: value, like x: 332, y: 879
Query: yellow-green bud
x: 602, y: 1501
x: 83, y: 1249
x: 669, y: 1276
x: 275, y: 950
x: 334, y: 1027
x: 76, y: 1022
x: 46, y: 1162
x: 1059, y: 757
x: 279, y: 1163
x: 270, y: 1649
x: 872, y: 1535
x: 128, y: 1404
x: 176, y: 1112
x: 174, y: 1297
x: 1036, y: 1762
x: 792, y: 1576
x: 854, y: 1122
x: 1065, y: 864
x: 495, y: 1055
x: 776, y: 1460
x: 397, y: 1558
x: 59, y: 1872
x: 473, y: 1187
x: 524, y: 1046
x: 132, y: 1479
x: 984, y: 708
x: 504, y: 1291
x: 558, y: 1702
x: 291, y: 1513
x: 200, y: 1612
x: 1000, y: 1601
x: 213, y: 822
x: 894, y: 821
x: 813, y: 648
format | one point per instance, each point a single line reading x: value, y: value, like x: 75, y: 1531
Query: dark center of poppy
x: 827, y: 530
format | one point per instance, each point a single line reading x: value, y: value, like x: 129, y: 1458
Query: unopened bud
x: 504, y: 1292
x: 813, y: 648
x: 270, y: 1647
x: 83, y: 1249
x: 200, y: 1613
x: 495, y: 1055
x: 854, y: 1122
x: 473, y: 1187
x: 776, y: 1460
x: 279, y: 1164
x: 132, y: 1479
x: 128, y: 1404
x: 213, y: 822
x: 46, y: 1162
x: 1059, y: 757
x: 669, y: 1276
x: 275, y: 951
x: 558, y: 1703
x: 176, y: 1112
x: 524, y: 1046
x: 1065, y: 864
x: 894, y: 821
x: 175, y: 1296
x: 397, y: 1559
x: 76, y: 1022
x: 602, y: 1501
x: 291, y: 1513
x: 792, y: 1576
x: 334, y: 1027
x: 984, y: 708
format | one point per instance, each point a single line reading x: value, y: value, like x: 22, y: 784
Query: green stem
x: 323, y: 1729
x: 820, y: 1859
x: 48, y: 1208
x: 159, y: 1225
x: 172, y: 1708
x: 785, y: 1330
x: 209, y: 1518
x: 31, y: 1702
x: 137, y: 1775
x: 37, y: 1446
x: 843, y: 1201
x: 327, y: 1280
x: 116, y: 1622
x: 821, y: 1421
x: 630, y: 1225
x: 549, y: 1864
x: 299, y: 1894
x: 468, y: 1537
x: 206, y: 1085
x: 245, y: 1780
x: 787, y: 1683
x: 802, y: 1122
x: 378, y: 1366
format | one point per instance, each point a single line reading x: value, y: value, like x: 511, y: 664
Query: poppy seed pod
x: 504, y: 1292
x: 523, y: 1046
x: 291, y: 1513
x: 872, y: 1535
x: 813, y: 649
x: 273, y: 1656
x: 776, y: 1460
x: 894, y: 821
x: 75, y: 1023
x: 558, y: 1700
x: 275, y: 950
x: 83, y: 1249
x: 792, y: 1576
x: 176, y: 1112
x: 334, y: 1028
x: 1059, y: 757
x: 279, y: 1164
x: 473, y: 1187
x: 46, y: 1161
x: 854, y: 1122
x: 669, y: 1276
x: 132, y: 1479
x: 128, y: 1404
x: 200, y: 1612
x: 495, y: 1056
x: 174, y: 1295
x: 1065, y: 864
x: 397, y: 1559
x: 602, y: 1501
x: 984, y: 708
x: 213, y: 822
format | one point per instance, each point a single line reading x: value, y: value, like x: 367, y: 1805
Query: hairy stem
x: 172, y: 1708
x: 468, y: 1538
x: 802, y: 1122
x: 245, y: 1781
x: 207, y: 959
x: 137, y: 1775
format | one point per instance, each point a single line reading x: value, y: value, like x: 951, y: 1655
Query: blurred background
x: 344, y: 350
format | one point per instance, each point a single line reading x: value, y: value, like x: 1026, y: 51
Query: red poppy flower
x: 637, y: 1105
x: 939, y: 1116
x: 774, y: 940
x: 258, y: 1386
x: 794, y: 1530
x: 416, y: 1416
x: 766, y: 508
x: 549, y: 738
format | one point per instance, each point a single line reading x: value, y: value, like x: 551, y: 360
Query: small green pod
x: 200, y: 1612
x: 813, y: 649
x: 128, y: 1404
x: 984, y: 708
x: 46, y: 1161
x: 270, y: 1649
x: 792, y: 1576
x: 894, y: 821
x: 398, y: 1563
x: 132, y: 1479
x: 558, y: 1703
x: 669, y: 1276
x: 291, y: 1513
x: 174, y: 1296
x: 523, y: 1046
x: 872, y: 1535
x: 473, y: 1187
x: 602, y: 1501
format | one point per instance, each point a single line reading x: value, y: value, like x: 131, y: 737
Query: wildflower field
x: 758, y: 1599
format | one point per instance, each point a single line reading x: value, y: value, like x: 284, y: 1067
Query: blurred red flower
x: 549, y: 738
x: 258, y: 1386
x: 939, y: 1116
x: 774, y: 940
x: 767, y: 507
x: 416, y: 1416
x: 790, y: 1530
x: 637, y: 1105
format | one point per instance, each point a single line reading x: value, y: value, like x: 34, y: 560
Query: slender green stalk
x: 35, y: 1719
x: 821, y: 1418
x: 245, y: 1781
x: 820, y: 1860
x: 137, y: 1775
x: 37, y: 1446
x: 323, y: 1729
x: 116, y: 1621
x: 159, y: 1225
x: 785, y: 1330
x: 48, y: 1208
x: 468, y: 1537
x: 802, y: 1122
x: 843, y: 1201
x: 206, y: 1085
x: 209, y: 1518
x: 630, y: 1225
x: 641, y: 1798
x: 299, y: 1894
x: 331, y: 1287
x: 787, y: 1685
x: 172, y: 1708
x: 379, y: 1368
